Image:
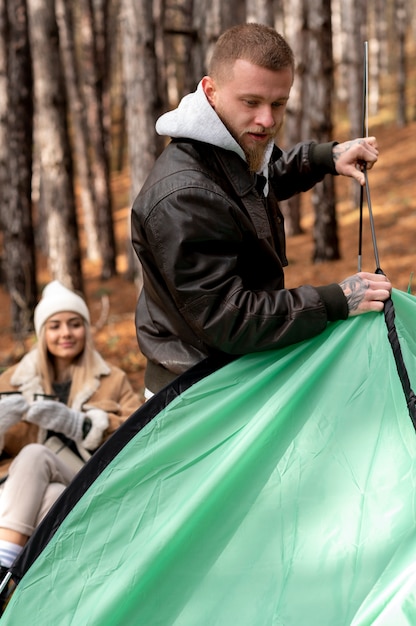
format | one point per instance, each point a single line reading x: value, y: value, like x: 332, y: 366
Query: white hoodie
x: 195, y: 118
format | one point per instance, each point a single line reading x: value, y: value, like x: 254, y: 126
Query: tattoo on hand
x: 354, y: 289
x: 342, y: 148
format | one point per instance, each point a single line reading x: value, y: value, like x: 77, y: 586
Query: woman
x: 62, y: 395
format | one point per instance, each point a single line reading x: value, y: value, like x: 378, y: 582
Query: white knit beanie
x: 55, y: 299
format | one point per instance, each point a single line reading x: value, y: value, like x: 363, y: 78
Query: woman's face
x: 65, y: 336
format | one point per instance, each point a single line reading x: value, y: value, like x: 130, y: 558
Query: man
x: 207, y: 228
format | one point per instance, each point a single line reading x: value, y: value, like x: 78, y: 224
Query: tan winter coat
x: 109, y: 390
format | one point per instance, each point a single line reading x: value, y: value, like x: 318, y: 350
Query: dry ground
x: 393, y: 195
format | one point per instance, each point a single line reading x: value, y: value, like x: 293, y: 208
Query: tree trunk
x: 209, y: 26
x: 116, y: 101
x: 119, y: 136
x: 140, y: 76
x: 232, y: 12
x: 354, y: 25
x: 400, y: 23
x: 260, y: 11
x: 99, y: 161
x: 319, y: 90
x: 159, y: 10
x: 179, y: 35
x: 19, y: 245
x: 79, y: 127
x: 278, y: 15
x: 56, y: 177
x: 104, y: 11
x: 377, y: 53
x: 292, y: 132
x: 4, y: 142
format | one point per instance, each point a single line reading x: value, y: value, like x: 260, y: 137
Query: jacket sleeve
x: 300, y: 168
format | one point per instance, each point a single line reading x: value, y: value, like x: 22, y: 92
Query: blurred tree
x: 318, y: 78
x: 16, y: 215
x: 118, y: 96
x: 179, y: 36
x: 400, y: 27
x: 57, y: 198
x: 4, y: 32
x: 260, y: 11
x: 142, y: 99
x: 293, y: 130
x: 377, y: 50
x: 354, y: 25
x: 79, y: 127
x: 308, y: 29
x: 103, y: 13
x: 210, y: 20
x: 92, y: 84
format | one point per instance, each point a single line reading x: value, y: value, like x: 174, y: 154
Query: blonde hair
x: 259, y: 44
x: 82, y: 368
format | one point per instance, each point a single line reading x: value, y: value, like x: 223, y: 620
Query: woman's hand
x: 12, y: 409
x: 83, y: 427
x: 56, y: 416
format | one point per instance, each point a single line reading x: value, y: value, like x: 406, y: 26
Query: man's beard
x: 255, y: 154
x: 255, y: 157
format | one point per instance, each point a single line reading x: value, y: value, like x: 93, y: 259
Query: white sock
x: 9, y: 552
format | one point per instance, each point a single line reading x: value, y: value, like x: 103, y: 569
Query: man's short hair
x: 259, y: 44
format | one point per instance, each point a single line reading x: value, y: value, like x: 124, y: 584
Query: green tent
x: 278, y: 490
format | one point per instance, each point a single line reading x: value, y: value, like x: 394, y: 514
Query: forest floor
x: 393, y: 197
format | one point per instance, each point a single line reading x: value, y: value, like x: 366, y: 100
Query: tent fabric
x: 104, y: 455
x: 278, y: 490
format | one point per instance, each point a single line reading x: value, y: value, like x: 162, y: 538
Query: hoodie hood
x: 195, y: 118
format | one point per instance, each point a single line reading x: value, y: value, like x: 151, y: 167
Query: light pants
x: 37, y: 477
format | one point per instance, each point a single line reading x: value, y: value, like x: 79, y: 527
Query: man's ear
x: 208, y: 86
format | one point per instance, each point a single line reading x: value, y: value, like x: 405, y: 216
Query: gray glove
x: 12, y: 409
x: 87, y: 427
x: 56, y: 416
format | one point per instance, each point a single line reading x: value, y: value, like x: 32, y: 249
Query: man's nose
x: 265, y: 117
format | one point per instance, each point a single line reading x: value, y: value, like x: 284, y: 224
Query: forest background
x: 81, y: 85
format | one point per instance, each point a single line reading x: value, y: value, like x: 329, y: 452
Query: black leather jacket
x: 212, y: 251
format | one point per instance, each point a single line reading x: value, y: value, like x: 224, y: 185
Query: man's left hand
x: 350, y: 157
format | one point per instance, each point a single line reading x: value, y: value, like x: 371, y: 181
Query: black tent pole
x: 389, y: 312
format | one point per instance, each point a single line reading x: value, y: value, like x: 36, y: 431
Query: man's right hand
x: 366, y: 292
